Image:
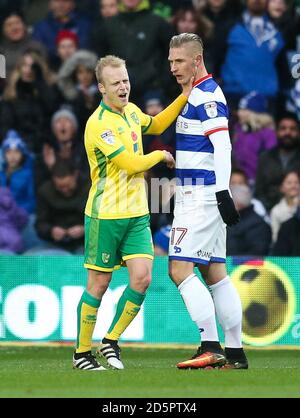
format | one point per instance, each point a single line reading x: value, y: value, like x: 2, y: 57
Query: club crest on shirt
x: 185, y: 109
x: 108, y: 137
x: 211, y: 109
x: 135, y: 118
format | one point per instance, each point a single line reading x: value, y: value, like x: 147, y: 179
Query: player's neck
x: 112, y: 107
x: 201, y: 73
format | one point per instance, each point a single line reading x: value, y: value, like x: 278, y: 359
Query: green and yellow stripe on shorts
x: 109, y: 242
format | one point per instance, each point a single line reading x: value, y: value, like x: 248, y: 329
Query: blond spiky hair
x: 107, y: 61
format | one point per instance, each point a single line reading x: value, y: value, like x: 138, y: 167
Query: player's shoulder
x: 206, y: 90
x: 94, y: 116
x: 98, y: 119
x: 132, y: 107
x: 135, y: 114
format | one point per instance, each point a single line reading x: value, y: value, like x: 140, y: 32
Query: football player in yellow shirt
x: 116, y: 216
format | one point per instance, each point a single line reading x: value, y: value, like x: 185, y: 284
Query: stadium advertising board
x: 39, y: 296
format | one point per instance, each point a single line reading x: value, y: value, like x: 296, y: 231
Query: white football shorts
x: 198, y: 232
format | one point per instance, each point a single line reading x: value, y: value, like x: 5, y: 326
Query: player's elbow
x: 156, y: 127
x: 157, y: 131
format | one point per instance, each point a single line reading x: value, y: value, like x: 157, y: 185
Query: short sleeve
x: 212, y: 111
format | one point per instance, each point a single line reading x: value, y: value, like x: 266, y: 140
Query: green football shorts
x: 109, y: 242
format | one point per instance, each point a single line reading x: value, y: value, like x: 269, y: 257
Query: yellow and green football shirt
x: 113, y: 193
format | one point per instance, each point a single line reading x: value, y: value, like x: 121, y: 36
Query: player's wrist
x: 164, y: 155
x: 185, y: 95
x: 222, y: 194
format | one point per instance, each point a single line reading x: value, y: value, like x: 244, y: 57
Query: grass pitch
x: 35, y: 371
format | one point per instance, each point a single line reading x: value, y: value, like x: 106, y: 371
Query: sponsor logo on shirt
x: 108, y: 137
x: 211, y: 109
x: 182, y: 125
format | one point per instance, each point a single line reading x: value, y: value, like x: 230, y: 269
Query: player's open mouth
x: 123, y: 96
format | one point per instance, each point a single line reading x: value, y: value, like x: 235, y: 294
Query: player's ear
x: 197, y: 60
x: 101, y: 88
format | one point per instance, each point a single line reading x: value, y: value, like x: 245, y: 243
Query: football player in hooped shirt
x: 203, y: 208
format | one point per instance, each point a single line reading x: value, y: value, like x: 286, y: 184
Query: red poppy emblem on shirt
x: 134, y: 136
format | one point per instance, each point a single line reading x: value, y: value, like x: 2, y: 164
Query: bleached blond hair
x: 107, y: 61
x: 178, y: 41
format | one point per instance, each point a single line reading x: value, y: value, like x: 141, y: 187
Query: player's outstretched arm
x: 134, y: 164
x: 164, y: 119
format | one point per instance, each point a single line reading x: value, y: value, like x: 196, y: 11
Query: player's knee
x: 145, y: 281
x: 102, y: 286
x: 141, y: 282
x: 98, y: 283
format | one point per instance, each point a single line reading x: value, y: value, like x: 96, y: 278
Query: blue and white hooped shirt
x: 205, y: 113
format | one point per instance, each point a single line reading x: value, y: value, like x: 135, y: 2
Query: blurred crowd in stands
x: 252, y: 48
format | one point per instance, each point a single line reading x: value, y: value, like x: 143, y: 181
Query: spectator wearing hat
x: 66, y: 43
x: 64, y: 144
x: 17, y: 173
x: 12, y: 220
x: 77, y: 83
x: 18, y: 176
x: 16, y: 40
x: 62, y: 16
x: 254, y: 133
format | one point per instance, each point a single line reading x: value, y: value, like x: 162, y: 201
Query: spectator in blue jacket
x: 17, y: 173
x: 255, y: 56
x: 62, y: 16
